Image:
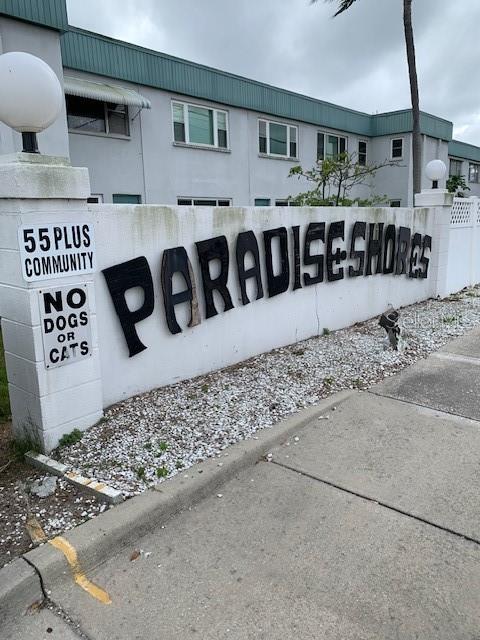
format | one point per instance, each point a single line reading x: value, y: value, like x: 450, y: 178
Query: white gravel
x: 155, y: 435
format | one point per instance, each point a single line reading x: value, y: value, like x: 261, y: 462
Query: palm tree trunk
x: 412, y: 72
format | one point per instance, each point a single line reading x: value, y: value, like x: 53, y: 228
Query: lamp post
x: 435, y: 171
x: 31, y: 96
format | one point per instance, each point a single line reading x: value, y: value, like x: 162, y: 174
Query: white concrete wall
x: 124, y: 232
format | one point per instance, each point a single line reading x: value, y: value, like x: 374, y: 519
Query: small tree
x: 457, y: 185
x: 338, y: 174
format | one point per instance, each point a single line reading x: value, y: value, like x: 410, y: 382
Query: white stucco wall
x: 126, y: 232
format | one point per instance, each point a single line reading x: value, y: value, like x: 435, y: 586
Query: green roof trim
x: 395, y: 122
x: 464, y: 150
x: 48, y: 13
x: 90, y: 52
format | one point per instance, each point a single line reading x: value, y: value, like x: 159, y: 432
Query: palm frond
x: 343, y: 5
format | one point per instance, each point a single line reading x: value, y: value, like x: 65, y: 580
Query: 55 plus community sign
x: 53, y: 250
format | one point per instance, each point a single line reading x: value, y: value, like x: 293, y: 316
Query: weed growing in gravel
x: 141, y: 473
x: 162, y: 472
x: 179, y: 464
x: 328, y: 381
x: 163, y: 446
x: 205, y: 388
x: 298, y: 352
x: 20, y: 446
x: 148, y: 446
x: 70, y: 438
x: 448, y: 319
x: 326, y: 332
x: 4, y: 398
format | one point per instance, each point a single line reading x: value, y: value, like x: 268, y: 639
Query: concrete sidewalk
x: 365, y: 525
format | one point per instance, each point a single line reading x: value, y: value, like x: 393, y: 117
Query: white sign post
x: 47, y: 298
x: 65, y: 320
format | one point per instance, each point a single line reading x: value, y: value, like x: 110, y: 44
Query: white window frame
x: 366, y: 152
x: 333, y: 135
x: 98, y: 196
x: 391, y: 148
x: 186, y: 124
x: 458, y: 162
x: 267, y: 127
x: 107, y: 133
x: 229, y: 200
x: 477, y: 172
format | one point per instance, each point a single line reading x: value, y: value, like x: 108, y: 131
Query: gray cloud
x: 356, y: 60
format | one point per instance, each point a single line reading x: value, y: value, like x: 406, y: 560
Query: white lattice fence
x: 464, y: 213
x: 464, y: 244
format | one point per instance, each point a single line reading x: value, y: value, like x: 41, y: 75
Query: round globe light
x: 31, y: 96
x: 436, y: 170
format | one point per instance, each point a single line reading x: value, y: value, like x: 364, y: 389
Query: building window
x: 330, y: 146
x: 276, y: 139
x: 126, y: 198
x: 93, y: 116
x: 362, y: 153
x: 262, y: 202
x: 397, y: 149
x: 205, y: 202
x: 197, y: 125
x: 455, y: 167
x: 473, y: 172
x: 95, y: 198
x: 285, y: 203
x: 395, y: 203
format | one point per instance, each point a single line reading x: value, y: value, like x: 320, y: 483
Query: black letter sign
x: 121, y: 278
x: 335, y: 230
x: 374, y: 248
x: 389, y: 245
x: 176, y: 261
x: 359, y: 230
x: 247, y: 242
x: 315, y: 231
x: 208, y: 250
x: 402, y: 250
x: 277, y: 283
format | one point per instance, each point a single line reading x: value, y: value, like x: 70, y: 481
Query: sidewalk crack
x: 379, y: 502
x: 56, y: 609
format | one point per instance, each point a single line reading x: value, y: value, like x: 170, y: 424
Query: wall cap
x: 34, y: 176
x: 434, y: 198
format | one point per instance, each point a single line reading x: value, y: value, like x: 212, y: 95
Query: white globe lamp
x: 435, y: 171
x: 31, y: 96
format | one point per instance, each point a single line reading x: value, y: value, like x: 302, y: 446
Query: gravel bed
x: 156, y: 435
x: 64, y: 509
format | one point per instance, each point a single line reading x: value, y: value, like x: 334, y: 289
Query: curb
x: 19, y: 588
x: 100, y: 490
x: 96, y: 540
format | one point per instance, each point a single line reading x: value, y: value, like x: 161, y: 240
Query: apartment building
x: 152, y: 128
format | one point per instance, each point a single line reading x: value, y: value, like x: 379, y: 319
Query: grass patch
x: 4, y: 398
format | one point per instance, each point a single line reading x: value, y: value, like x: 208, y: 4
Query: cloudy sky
x: 356, y: 60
